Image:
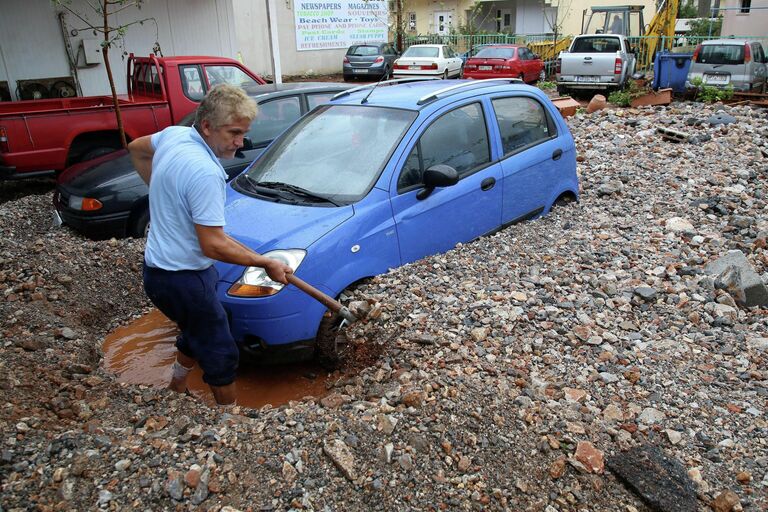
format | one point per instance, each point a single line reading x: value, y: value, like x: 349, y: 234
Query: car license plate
x: 414, y: 67
x: 359, y: 70
x: 485, y: 68
x: 587, y: 78
x: 716, y: 79
x: 56, y: 221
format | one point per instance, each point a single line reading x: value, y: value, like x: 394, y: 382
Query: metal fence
x: 548, y: 48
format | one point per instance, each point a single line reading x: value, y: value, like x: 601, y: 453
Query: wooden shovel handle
x: 313, y: 292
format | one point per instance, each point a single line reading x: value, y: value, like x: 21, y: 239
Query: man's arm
x: 219, y: 246
x: 141, y: 155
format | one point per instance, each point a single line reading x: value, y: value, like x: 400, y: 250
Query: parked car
x: 106, y: 197
x: 42, y: 136
x: 369, y: 61
x: 437, y: 60
x: 505, y: 61
x: 738, y: 63
x: 472, y: 52
x: 602, y: 61
x: 381, y: 177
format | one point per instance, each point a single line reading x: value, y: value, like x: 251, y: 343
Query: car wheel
x: 97, y: 152
x: 522, y: 77
x: 140, y: 226
x: 445, y: 75
x: 387, y: 74
x: 347, y: 78
x: 542, y: 76
x: 330, y: 343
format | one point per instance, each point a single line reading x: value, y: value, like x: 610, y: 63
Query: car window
x: 758, y: 53
x: 721, y: 54
x: 523, y: 54
x: 337, y: 151
x: 496, y: 53
x: 363, y: 50
x: 319, y: 98
x: 458, y: 139
x: 596, y: 45
x: 228, y: 75
x: 422, y: 51
x: 192, y: 82
x: 522, y: 122
x: 273, y: 117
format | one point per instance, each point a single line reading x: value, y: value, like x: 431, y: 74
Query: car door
x: 531, y: 149
x: 459, y: 138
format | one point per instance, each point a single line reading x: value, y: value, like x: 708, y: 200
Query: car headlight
x: 256, y: 283
x: 86, y: 204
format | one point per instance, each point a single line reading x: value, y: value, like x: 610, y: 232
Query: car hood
x: 110, y: 172
x: 264, y: 226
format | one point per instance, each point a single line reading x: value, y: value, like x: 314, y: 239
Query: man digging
x: 186, y: 199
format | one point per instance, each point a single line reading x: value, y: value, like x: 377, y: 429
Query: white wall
x: 32, y: 44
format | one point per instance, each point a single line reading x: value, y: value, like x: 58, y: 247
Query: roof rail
x: 434, y: 95
x: 388, y: 82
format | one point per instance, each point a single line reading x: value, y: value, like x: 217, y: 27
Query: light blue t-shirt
x: 187, y: 187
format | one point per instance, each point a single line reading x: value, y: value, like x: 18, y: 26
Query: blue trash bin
x: 671, y: 70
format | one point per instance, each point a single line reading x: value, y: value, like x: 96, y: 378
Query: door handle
x: 487, y: 183
x: 556, y: 154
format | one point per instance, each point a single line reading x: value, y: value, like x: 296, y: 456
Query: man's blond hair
x: 223, y: 105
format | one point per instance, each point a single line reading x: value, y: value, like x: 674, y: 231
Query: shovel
x: 323, y: 299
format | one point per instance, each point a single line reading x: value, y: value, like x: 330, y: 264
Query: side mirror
x: 437, y: 176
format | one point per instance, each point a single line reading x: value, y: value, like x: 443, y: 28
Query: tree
x: 688, y: 11
x: 704, y: 27
x: 105, y: 10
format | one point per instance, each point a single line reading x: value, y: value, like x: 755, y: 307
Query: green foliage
x: 624, y: 97
x: 688, y: 11
x: 710, y: 94
x: 546, y: 85
x: 704, y: 27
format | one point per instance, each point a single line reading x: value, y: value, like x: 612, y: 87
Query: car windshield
x: 336, y: 152
x: 421, y: 51
x: 496, y: 53
x: 721, y: 54
x: 596, y: 45
x: 363, y: 51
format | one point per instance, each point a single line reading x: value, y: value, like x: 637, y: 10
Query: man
x: 186, y: 198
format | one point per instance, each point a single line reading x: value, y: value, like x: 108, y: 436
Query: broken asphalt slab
x: 661, y: 481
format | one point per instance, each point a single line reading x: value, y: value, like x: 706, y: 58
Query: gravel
x: 507, y: 369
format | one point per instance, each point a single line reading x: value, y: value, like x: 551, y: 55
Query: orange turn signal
x: 90, y: 205
x: 249, y: 290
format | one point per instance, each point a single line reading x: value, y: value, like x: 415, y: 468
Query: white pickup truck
x: 595, y: 61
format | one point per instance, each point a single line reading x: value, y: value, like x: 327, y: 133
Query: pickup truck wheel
x: 330, y: 343
x: 542, y: 76
x: 96, y: 152
x: 140, y: 226
x: 562, y: 91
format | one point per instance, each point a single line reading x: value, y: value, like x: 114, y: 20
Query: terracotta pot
x: 660, y: 97
x: 598, y: 102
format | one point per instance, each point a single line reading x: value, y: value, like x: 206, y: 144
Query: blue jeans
x: 188, y: 297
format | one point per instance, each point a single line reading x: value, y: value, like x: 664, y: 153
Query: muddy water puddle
x: 143, y: 352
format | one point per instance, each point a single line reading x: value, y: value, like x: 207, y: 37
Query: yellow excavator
x: 626, y: 20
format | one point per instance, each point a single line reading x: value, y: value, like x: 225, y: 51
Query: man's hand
x: 276, y: 270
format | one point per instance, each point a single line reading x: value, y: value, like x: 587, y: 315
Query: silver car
x: 722, y: 62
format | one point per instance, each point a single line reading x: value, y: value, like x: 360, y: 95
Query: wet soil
x: 142, y: 352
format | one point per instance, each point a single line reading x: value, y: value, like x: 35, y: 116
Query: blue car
x: 380, y: 177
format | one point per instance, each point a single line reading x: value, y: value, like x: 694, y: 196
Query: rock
x: 289, y: 473
x: 557, y: 468
x: 646, y: 293
x: 575, y: 395
x: 758, y: 344
x: 405, y: 461
x: 609, y: 188
x: 342, y: 458
x: 192, y: 477
x: 679, y: 225
x: 674, y: 436
x: 464, y: 464
x: 726, y: 501
x: 68, y: 333
x: 589, y: 456
x: 123, y: 464
x: 660, y: 480
x: 721, y: 118
x: 174, y: 486
x: 651, y: 415
x: 735, y: 274
x: 104, y: 498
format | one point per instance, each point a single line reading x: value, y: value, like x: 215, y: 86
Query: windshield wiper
x: 295, y: 190
x: 252, y: 185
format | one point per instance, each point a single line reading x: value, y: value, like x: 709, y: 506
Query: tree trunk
x: 105, y: 54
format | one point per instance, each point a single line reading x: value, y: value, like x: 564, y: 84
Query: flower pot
x: 660, y: 97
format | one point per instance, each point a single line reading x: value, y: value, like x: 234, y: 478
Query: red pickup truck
x: 43, y: 136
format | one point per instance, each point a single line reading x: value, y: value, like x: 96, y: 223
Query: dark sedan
x: 371, y: 61
x: 105, y: 197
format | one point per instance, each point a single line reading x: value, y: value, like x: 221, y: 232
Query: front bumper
x: 92, y: 224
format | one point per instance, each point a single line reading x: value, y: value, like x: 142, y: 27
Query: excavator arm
x: 660, y: 32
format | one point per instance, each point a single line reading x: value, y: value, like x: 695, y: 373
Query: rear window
x: 721, y: 54
x: 496, y: 53
x: 363, y: 51
x: 596, y: 45
x: 422, y: 51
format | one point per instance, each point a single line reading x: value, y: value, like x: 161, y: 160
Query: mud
x: 142, y: 352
